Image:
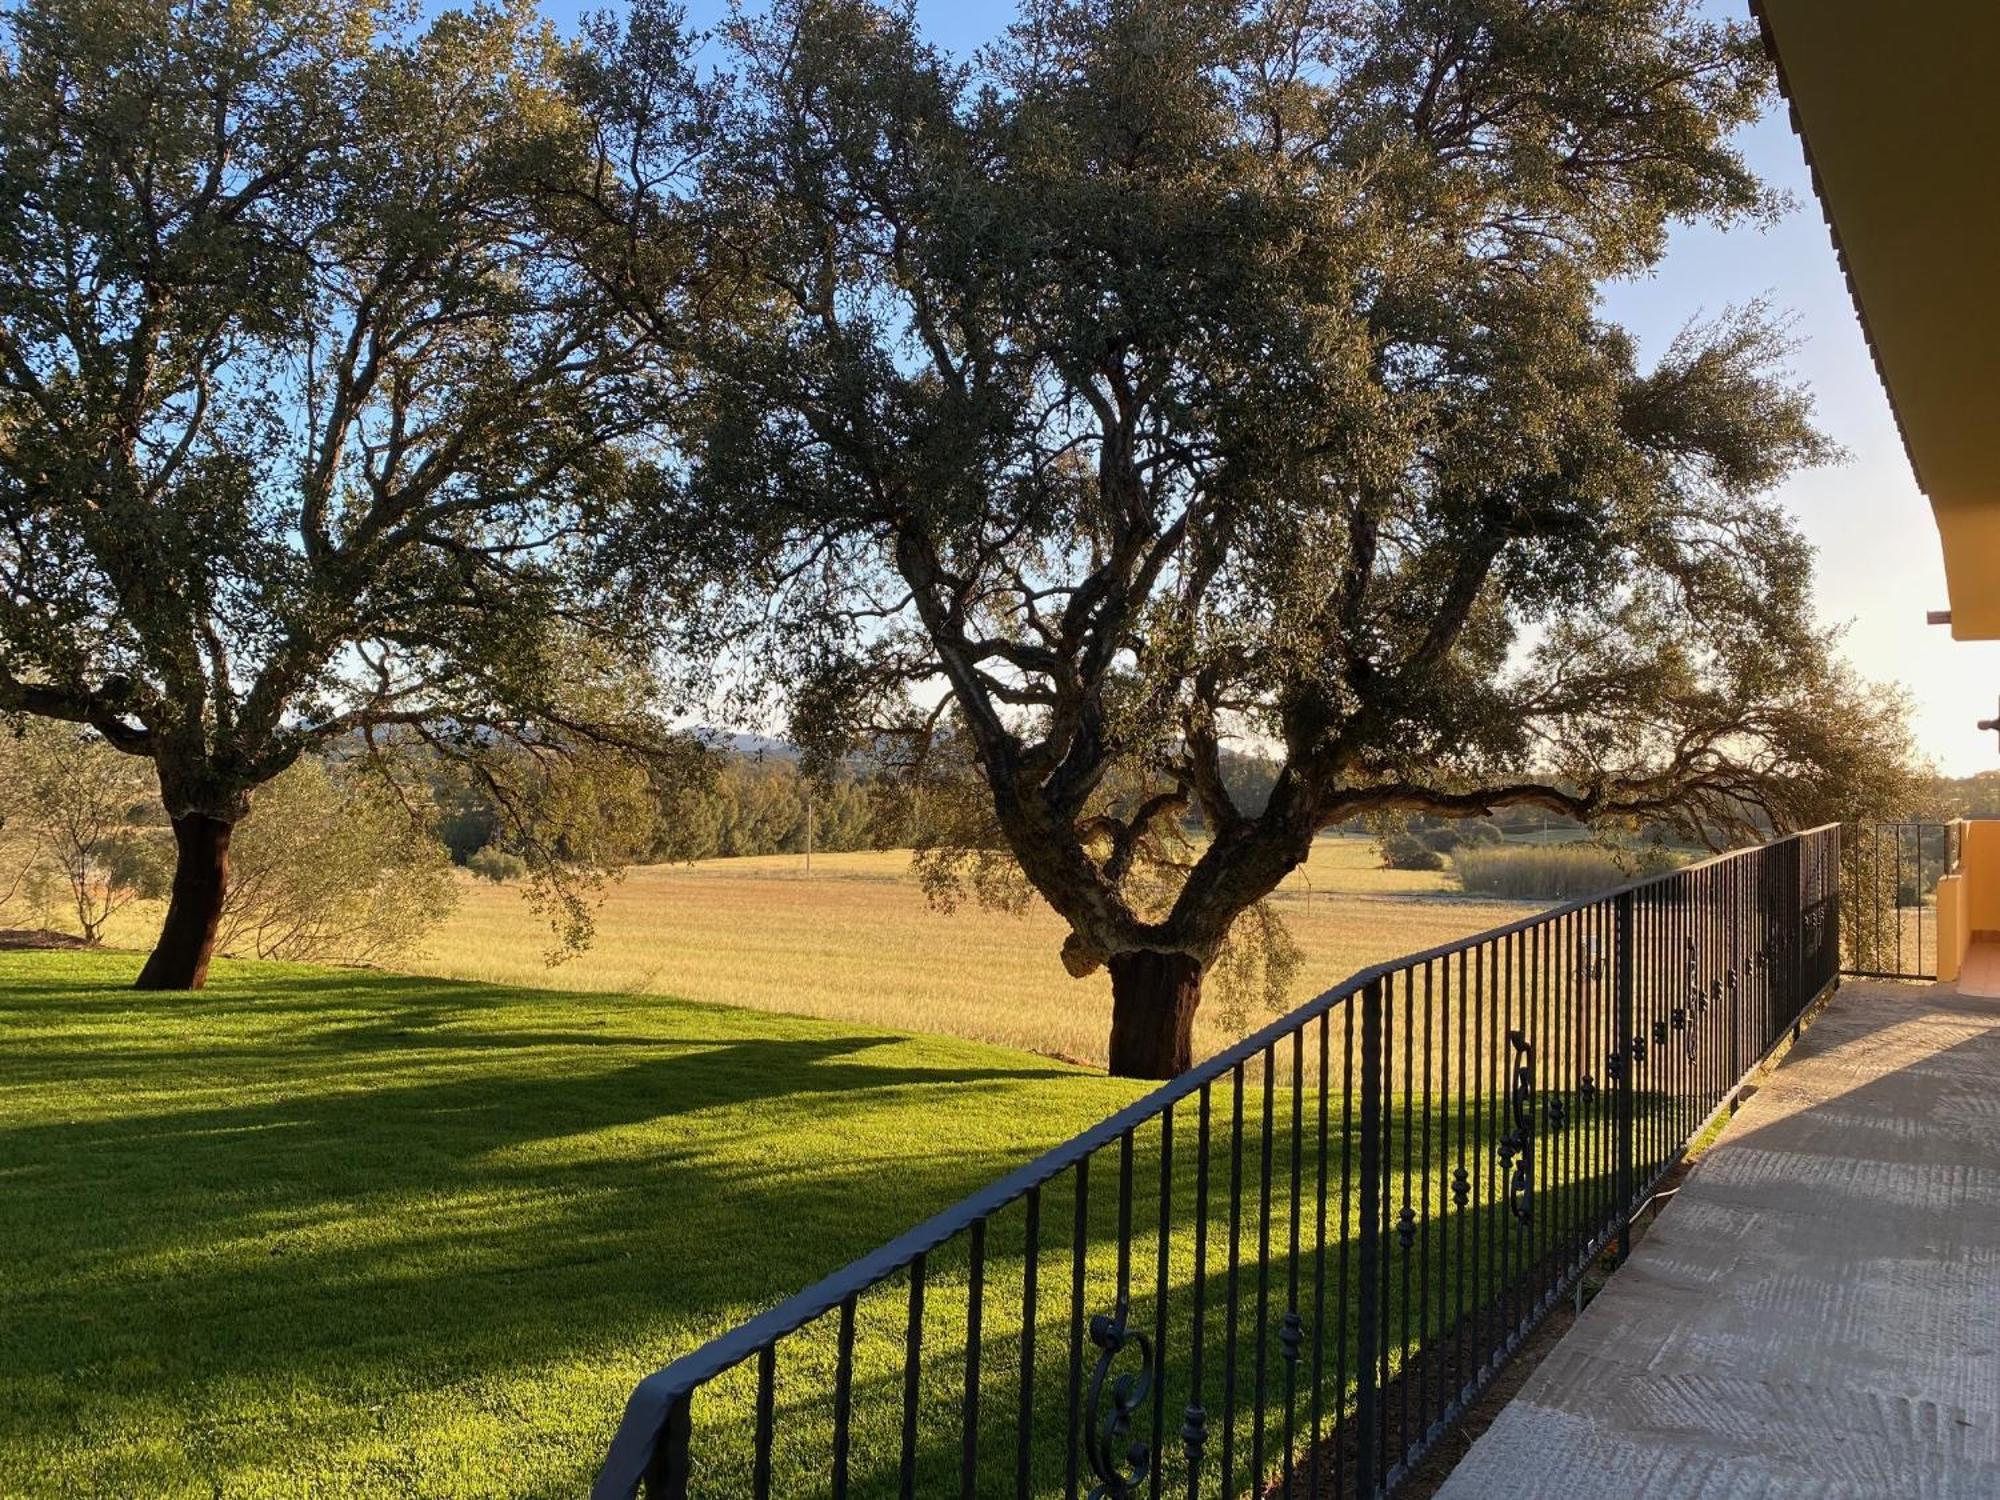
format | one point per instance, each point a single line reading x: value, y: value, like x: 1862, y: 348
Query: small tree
x: 1194, y: 375
x: 330, y: 864
x: 77, y: 812
x: 308, y: 414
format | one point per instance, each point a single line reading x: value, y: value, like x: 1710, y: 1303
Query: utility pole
x: 809, y: 824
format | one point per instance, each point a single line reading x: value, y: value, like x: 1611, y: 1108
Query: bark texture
x: 1154, y: 997
x: 179, y: 959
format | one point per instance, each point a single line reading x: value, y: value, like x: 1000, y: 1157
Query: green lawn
x: 322, y: 1232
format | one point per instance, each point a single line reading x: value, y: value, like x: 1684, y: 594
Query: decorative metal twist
x: 1659, y: 1033
x: 1291, y: 1334
x: 1556, y: 1112
x: 1680, y: 1018
x: 1586, y: 1089
x: 1120, y: 1476
x: 1461, y: 1187
x: 1519, y: 1148
x: 1406, y: 1227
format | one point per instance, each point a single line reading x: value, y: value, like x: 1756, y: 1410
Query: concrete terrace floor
x: 1817, y: 1313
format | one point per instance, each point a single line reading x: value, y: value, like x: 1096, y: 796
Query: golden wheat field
x: 855, y: 940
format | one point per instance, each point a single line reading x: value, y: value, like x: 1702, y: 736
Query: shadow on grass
x: 355, y: 1234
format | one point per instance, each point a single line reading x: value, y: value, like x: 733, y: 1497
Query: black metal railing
x: 1888, y: 893
x: 1291, y: 1270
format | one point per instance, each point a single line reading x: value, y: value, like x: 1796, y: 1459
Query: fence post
x: 1835, y: 880
x: 668, y: 1474
x: 1369, y: 1334
x: 1623, y: 944
x: 1795, y: 889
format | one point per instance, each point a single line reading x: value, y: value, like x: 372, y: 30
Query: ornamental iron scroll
x: 1121, y: 1474
x: 1518, y: 1149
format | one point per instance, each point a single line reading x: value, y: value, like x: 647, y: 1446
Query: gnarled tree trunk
x: 179, y: 959
x: 1154, y: 996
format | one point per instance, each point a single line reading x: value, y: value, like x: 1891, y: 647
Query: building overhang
x: 1896, y: 107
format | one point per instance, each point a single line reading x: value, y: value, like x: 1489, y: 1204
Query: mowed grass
x: 855, y: 940
x: 328, y: 1233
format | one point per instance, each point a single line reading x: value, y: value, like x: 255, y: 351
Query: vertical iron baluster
x: 1031, y: 1261
x: 1194, y: 1420
x: 1477, y: 1078
x: 1160, y: 1286
x: 1406, y: 1219
x: 1535, y: 1022
x: 1079, y: 1238
x: 1263, y: 1277
x: 1289, y: 1333
x: 1623, y: 939
x: 1425, y: 1362
x: 767, y: 1379
x: 843, y: 1396
x: 968, y: 1471
x: 1347, y: 1186
x: 1503, y: 1230
x: 1318, y: 1464
x: 672, y: 1467
x: 1466, y: 1234
x: 1383, y: 1239
x: 1231, y: 1290
x: 913, y: 1369
x: 1368, y: 1251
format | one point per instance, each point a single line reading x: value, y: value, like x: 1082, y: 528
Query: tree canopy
x: 309, y: 416
x: 1176, y: 377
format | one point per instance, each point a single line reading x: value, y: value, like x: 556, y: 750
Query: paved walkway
x: 1817, y: 1313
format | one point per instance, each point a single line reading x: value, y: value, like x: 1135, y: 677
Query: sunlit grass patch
x: 317, y: 1232
x: 855, y: 940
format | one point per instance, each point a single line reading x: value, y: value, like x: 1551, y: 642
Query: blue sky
x: 1879, y: 567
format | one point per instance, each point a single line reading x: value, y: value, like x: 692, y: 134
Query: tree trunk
x: 201, y: 877
x: 1153, y: 1000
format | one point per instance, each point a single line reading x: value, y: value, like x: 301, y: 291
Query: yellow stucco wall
x: 1979, y: 872
x: 1953, y: 935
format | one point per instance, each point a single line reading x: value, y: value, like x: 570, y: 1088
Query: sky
x: 1878, y: 565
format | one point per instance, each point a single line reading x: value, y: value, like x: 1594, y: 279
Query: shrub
x: 1554, y: 872
x: 1440, y: 840
x: 497, y: 865
x: 1405, y: 851
x: 1479, y: 832
x: 330, y: 864
x: 80, y: 827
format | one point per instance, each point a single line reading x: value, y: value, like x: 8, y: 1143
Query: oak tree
x: 1187, y: 376
x: 309, y: 414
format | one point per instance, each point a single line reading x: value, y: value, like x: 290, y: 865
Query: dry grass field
x: 855, y: 940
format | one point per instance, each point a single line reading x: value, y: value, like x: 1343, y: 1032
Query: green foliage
x: 330, y: 864
x: 1406, y: 851
x: 1181, y: 379
x: 79, y: 826
x: 755, y: 805
x: 497, y: 865
x: 1555, y: 872
x: 318, y: 444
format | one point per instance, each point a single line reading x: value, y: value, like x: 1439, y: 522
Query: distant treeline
x: 1968, y: 796
x: 747, y: 802
x: 757, y: 802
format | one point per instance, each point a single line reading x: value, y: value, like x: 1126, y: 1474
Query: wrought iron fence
x: 1888, y: 893
x: 1291, y: 1270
